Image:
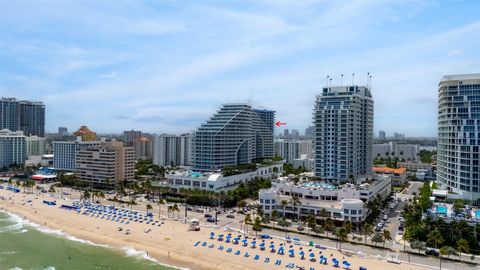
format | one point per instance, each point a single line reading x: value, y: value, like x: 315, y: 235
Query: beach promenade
x: 173, y: 244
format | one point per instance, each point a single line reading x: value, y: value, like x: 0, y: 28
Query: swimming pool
x: 441, y: 209
x: 477, y: 213
x: 320, y: 185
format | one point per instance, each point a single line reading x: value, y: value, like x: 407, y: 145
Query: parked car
x: 211, y: 219
x: 385, y: 217
x: 230, y: 216
x: 432, y: 252
x: 208, y: 215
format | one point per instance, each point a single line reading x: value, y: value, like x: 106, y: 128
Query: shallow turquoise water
x: 25, y: 246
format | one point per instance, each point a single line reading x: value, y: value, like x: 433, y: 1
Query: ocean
x: 25, y: 245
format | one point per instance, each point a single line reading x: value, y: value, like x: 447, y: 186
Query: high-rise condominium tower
x: 343, y: 120
x: 235, y: 134
x: 458, y: 146
x: 23, y: 115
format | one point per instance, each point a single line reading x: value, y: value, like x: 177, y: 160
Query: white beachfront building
x: 342, y: 203
x: 216, y: 181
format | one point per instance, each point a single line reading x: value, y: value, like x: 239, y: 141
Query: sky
x: 167, y: 66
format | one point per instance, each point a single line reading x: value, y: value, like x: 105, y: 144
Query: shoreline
x: 170, y: 245
x: 127, y: 250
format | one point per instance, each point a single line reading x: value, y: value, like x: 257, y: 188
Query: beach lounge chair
x: 211, y: 246
x: 246, y: 255
x: 220, y: 248
x: 267, y: 260
x: 204, y: 244
x: 229, y: 250
x: 278, y: 262
x: 256, y: 257
x: 128, y: 222
x: 237, y: 252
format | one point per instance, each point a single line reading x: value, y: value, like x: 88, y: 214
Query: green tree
x: 329, y: 225
x: 294, y: 200
x: 274, y: 215
x: 160, y: 202
x: 435, y: 238
x: 341, y: 234
x: 284, y: 203
x: 148, y: 207
x: 462, y: 247
x: 51, y: 190
x: 318, y: 229
x: 311, y: 223
x: 257, y: 225
x: 85, y: 196
x: 367, y: 231
x: 386, y: 236
x: 246, y: 220
x: 448, y: 251
x: 377, y: 238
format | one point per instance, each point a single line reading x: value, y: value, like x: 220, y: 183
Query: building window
x: 345, y: 211
x: 261, y: 200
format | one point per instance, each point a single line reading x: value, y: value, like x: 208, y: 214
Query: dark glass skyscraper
x: 23, y: 115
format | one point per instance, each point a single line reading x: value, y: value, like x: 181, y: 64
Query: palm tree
x: 51, y: 190
x: 435, y: 238
x: 101, y: 195
x: 311, y: 223
x: 149, y: 207
x: 462, y: 247
x: 329, y: 225
x: 247, y: 219
x: 160, y: 201
x: 324, y: 214
x: 176, y: 209
x: 295, y: 201
x: 284, y: 203
x: 257, y: 225
x: 170, y: 210
x: 85, y: 196
x: 274, y: 216
x: 348, y: 226
x: 367, y: 231
x: 132, y: 202
x: 341, y: 234
x: 318, y: 229
x: 386, y: 236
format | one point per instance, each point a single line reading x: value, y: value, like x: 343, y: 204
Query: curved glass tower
x: 235, y: 134
x: 459, y: 134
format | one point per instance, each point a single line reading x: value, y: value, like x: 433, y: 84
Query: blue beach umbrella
x: 302, y: 253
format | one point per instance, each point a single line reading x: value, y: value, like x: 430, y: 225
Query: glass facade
x: 459, y: 134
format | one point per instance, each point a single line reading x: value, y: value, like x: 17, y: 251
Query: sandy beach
x: 171, y: 243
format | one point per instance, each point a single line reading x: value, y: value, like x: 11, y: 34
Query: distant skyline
x: 165, y: 67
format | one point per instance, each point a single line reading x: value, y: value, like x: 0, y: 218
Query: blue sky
x: 166, y: 66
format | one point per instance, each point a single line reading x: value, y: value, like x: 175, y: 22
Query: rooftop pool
x: 319, y: 185
x: 441, y: 209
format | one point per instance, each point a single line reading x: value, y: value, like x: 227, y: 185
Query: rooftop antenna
x: 353, y: 77
x: 341, y: 80
x: 328, y: 79
x: 370, y: 83
x: 330, y: 82
x: 368, y: 75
